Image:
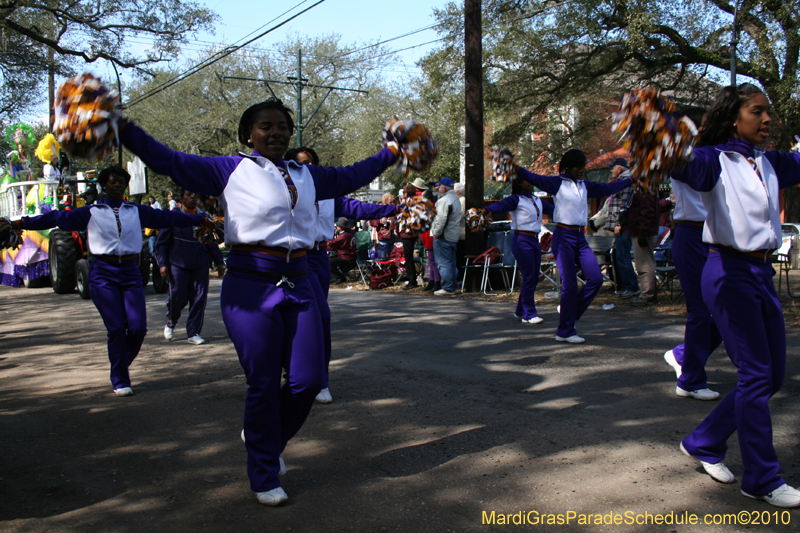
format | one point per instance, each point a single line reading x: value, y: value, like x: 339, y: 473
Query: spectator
x: 183, y: 260
x: 626, y: 276
x: 171, y: 202
x: 643, y: 229
x: 344, y: 246
x: 151, y: 233
x: 664, y: 211
x: 384, y: 229
x: 445, y: 235
x: 434, y: 279
x: 415, y: 188
x: 462, y: 230
x: 151, y: 200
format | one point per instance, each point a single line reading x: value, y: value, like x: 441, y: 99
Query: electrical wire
x: 230, y: 50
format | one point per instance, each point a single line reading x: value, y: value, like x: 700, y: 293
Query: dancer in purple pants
x: 689, y: 253
x: 267, y: 302
x: 740, y: 190
x: 526, y: 212
x: 570, y: 193
x: 318, y: 261
x: 183, y: 261
x: 114, y: 231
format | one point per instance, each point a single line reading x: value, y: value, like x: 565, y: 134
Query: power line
x: 230, y: 50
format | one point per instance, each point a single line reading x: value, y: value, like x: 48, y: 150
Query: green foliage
x: 37, y: 37
x: 201, y: 114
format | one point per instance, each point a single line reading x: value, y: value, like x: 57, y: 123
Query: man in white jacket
x: 445, y: 231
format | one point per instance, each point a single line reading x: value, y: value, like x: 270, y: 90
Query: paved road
x: 444, y: 409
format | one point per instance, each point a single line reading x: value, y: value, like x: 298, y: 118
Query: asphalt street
x: 445, y: 411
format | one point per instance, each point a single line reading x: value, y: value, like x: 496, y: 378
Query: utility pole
x: 734, y: 42
x: 473, y: 134
x: 299, y: 82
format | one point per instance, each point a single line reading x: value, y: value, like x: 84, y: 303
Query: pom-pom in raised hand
x: 10, y: 233
x: 478, y: 219
x: 416, y: 216
x: 659, y: 140
x: 413, y: 144
x: 211, y: 230
x: 503, y: 166
x: 86, y: 118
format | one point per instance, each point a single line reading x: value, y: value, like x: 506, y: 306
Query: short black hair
x: 249, y: 116
x: 184, y: 190
x: 293, y: 152
x: 106, y: 173
x: 572, y: 158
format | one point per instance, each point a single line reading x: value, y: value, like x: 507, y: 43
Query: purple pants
x: 319, y: 274
x: 118, y: 294
x: 570, y: 249
x: 528, y: 252
x: 433, y: 271
x: 272, y: 327
x: 741, y: 296
x: 187, y: 286
x: 701, y: 337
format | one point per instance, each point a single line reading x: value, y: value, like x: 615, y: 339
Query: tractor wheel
x: 82, y: 278
x: 144, y: 263
x: 64, y: 254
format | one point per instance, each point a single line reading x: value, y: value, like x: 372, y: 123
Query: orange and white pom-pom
x: 416, y: 216
x: 212, y: 230
x: 659, y: 140
x: 503, y: 166
x: 10, y: 234
x: 86, y: 117
x: 478, y: 219
x: 413, y: 143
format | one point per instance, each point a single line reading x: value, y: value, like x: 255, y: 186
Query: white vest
x: 571, y: 206
x: 742, y: 213
x: 104, y: 237
x: 526, y: 217
x: 688, y: 203
x: 258, y: 206
x: 325, y: 220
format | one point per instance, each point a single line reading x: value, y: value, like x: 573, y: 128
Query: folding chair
x: 496, y: 238
x: 548, y: 269
x: 666, y: 275
x: 507, y: 261
x: 603, y: 248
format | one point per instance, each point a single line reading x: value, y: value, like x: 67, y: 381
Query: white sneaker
x: 534, y: 320
x: 558, y: 309
x: 272, y: 497
x: 717, y: 471
x: 324, y: 396
x: 669, y: 357
x: 699, y: 394
x: 783, y: 496
x: 574, y: 339
x: 124, y: 391
x: 168, y: 333
x: 444, y: 292
x: 197, y: 339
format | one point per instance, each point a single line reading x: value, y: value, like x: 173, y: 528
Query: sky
x: 357, y: 21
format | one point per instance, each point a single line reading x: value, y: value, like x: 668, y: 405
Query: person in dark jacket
x: 344, y: 244
x: 183, y: 261
x: 643, y: 228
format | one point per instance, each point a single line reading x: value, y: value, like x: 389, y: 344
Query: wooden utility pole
x: 473, y: 137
